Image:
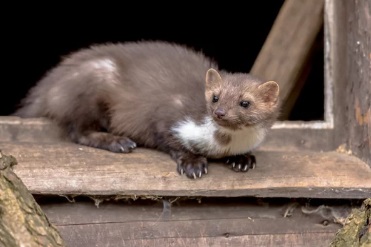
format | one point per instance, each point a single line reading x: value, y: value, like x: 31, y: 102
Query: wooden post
x: 350, y: 59
x: 22, y: 222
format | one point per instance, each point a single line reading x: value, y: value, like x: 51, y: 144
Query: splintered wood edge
x: 68, y: 169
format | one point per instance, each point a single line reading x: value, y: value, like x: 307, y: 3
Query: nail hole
x: 325, y: 222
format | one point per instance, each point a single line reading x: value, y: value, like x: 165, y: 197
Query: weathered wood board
x: 65, y: 168
x: 190, y: 224
x: 349, y: 41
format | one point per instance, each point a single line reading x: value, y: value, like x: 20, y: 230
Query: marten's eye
x: 215, y: 98
x: 244, y: 104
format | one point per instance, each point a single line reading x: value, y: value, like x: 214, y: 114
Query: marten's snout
x: 220, y: 113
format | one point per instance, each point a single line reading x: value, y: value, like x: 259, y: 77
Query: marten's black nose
x: 220, y: 113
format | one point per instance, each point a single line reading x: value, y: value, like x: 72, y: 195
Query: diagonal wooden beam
x: 288, y: 46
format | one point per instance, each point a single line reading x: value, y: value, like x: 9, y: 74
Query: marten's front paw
x: 241, y: 163
x: 118, y: 144
x: 124, y: 145
x: 193, y: 166
x: 104, y: 140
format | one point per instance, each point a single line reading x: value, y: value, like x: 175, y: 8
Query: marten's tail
x: 31, y: 106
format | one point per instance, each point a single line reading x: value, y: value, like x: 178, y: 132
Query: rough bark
x: 22, y: 222
x: 357, y: 229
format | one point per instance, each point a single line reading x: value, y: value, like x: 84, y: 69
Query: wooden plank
x: 349, y: 39
x: 299, y: 139
x: 184, y: 229
x: 41, y: 130
x: 263, y: 215
x: 99, y: 236
x: 64, y: 168
x: 287, y: 47
x: 94, y: 237
x: 28, y: 130
x: 115, y: 224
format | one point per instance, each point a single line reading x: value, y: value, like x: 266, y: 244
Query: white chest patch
x: 202, y: 138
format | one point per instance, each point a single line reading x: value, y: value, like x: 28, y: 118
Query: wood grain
x: 257, y: 212
x: 288, y: 45
x: 188, y: 224
x: 95, y: 237
x: 64, y: 168
x: 349, y: 39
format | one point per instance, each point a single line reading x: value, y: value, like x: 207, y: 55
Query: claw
x: 227, y: 161
x: 233, y: 164
x: 194, y: 175
x: 122, y: 148
x: 245, y: 168
x: 205, y: 170
x: 200, y: 174
x: 181, y: 171
x: 239, y: 167
x: 253, y: 166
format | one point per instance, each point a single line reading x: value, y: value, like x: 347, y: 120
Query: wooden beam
x: 349, y: 40
x: 288, y: 45
x: 64, y: 168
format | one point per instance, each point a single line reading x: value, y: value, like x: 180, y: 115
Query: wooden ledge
x: 69, y: 169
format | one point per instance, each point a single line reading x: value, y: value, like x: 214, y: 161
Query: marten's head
x: 237, y: 100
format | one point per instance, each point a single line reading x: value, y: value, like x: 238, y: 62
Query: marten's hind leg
x: 93, y: 134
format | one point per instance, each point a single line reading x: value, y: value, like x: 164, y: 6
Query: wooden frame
x: 283, y: 57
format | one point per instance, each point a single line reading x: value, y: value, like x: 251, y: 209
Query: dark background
x: 35, y: 39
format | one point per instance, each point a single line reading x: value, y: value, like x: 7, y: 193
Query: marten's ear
x: 269, y: 92
x: 213, y: 79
